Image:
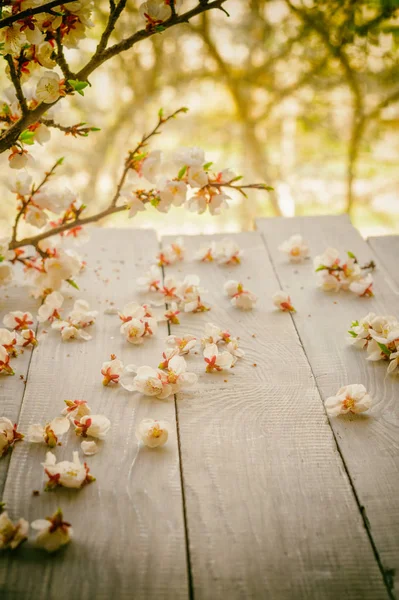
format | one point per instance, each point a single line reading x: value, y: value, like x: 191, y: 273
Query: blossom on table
x: 172, y: 253
x: 112, y: 370
x: 168, y: 289
x: 27, y: 337
x: 171, y: 315
x: 228, y: 252
x: 8, y: 435
x: 82, y: 316
x: 282, y: 301
x: 9, y: 339
x: 206, y: 253
x: 379, y: 336
x: 215, y: 360
x: 335, y: 273
x: 167, y: 355
x: 153, y: 433
x: 151, y: 281
x: 48, y: 433
x: 66, y: 473
x: 350, y: 398
x: 240, y: 297
x: 12, y: 534
x: 213, y: 334
x: 70, y: 332
x: 50, y: 309
x: 158, y: 383
x: 64, y: 265
x: 53, y: 532
x: 363, y: 287
x: 96, y: 426
x: 188, y: 294
x: 75, y: 409
x: 5, y: 367
x: 295, y: 248
x: 18, y: 320
x: 183, y: 344
x: 234, y: 349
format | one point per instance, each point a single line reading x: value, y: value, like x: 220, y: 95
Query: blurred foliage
x: 301, y: 95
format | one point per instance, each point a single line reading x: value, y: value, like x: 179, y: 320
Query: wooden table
x: 257, y: 494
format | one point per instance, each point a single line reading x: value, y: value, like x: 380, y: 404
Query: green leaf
x: 27, y: 137
x: 60, y: 161
x: 138, y: 157
x: 352, y: 333
x: 160, y: 113
x: 320, y: 268
x: 78, y: 86
x: 384, y: 349
x: 155, y: 201
x: 351, y: 255
x: 207, y: 166
x: 159, y: 28
x: 236, y: 178
x: 95, y: 129
x: 73, y: 283
x: 182, y: 172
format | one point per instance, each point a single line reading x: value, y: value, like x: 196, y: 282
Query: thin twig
x: 17, y: 85
x: 30, y: 12
x: 61, y: 60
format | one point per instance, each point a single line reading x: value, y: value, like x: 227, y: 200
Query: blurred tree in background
x: 303, y: 95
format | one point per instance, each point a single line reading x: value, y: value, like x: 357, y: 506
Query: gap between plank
x: 385, y: 575
x: 186, y: 534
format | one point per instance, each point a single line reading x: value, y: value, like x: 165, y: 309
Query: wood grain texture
x: 386, y: 249
x: 369, y: 444
x: 270, y: 511
x: 12, y: 388
x: 129, y: 529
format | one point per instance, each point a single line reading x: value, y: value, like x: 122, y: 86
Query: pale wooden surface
x: 386, y: 249
x: 129, y: 523
x: 268, y: 503
x: 14, y: 297
x: 369, y: 444
x: 269, y: 507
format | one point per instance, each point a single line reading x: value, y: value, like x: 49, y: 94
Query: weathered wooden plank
x: 270, y: 511
x: 129, y: 529
x: 12, y: 388
x: 369, y: 444
x: 386, y: 248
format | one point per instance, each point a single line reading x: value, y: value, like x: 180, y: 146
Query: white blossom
x: 48, y: 433
x: 152, y: 433
x: 35, y: 216
x: 111, y: 370
x: 96, y: 426
x: 350, y: 398
x: 151, y: 166
x: 151, y: 281
x: 75, y: 409
x: 295, y: 248
x: 53, y: 532
x: 50, y: 309
x: 173, y: 192
x: 5, y: 367
x: 12, y: 534
x: 49, y: 87
x: 240, y: 298
x: 282, y: 301
x: 362, y: 287
x: 65, y: 473
x: 18, y: 320
x: 182, y: 344
x: 155, y: 12
x: 89, y: 448
x: 215, y: 360
x: 8, y: 435
x: 228, y: 252
x: 190, y: 157
x: 20, y: 183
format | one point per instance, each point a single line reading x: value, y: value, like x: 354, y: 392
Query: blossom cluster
x: 53, y: 532
x: 379, y: 336
x: 336, y: 274
x: 15, y: 338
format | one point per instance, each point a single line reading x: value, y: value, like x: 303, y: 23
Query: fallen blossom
x: 12, y: 534
x: 112, y: 370
x: 282, y: 301
x: 167, y: 355
x: 295, y: 248
x: 71, y: 332
x: 65, y: 473
x: 151, y: 281
x: 182, y: 344
x: 379, y: 336
x: 96, y: 426
x: 5, y: 367
x: 206, y: 253
x: 350, y: 398
x: 215, y: 360
x: 8, y: 435
x: 53, y: 532
x: 228, y: 252
x: 171, y: 314
x: 152, y: 433
x: 234, y: 349
x: 81, y: 316
x: 89, y: 447
x: 134, y: 331
x: 171, y: 254
x: 27, y: 337
x: 158, y: 383
x: 363, y: 287
x: 213, y: 334
x: 240, y: 298
x: 8, y: 340
x: 75, y: 409
x: 18, y: 320
x: 48, y: 433
x: 50, y: 309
